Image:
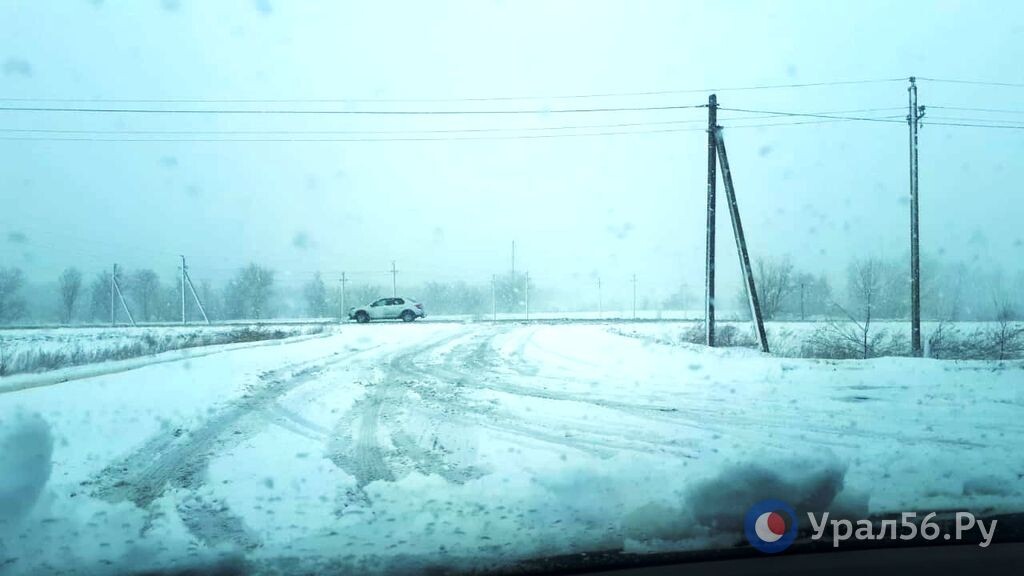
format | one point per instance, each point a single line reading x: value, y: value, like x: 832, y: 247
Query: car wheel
x: 362, y: 317
x: 408, y: 316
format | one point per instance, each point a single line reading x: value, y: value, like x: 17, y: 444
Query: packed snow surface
x: 390, y: 446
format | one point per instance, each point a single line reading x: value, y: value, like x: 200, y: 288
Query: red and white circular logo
x: 770, y: 526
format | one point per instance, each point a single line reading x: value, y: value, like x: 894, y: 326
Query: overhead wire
x: 972, y: 82
x: 531, y: 132
x: 967, y: 109
x: 417, y: 139
x: 291, y: 111
x: 442, y: 100
x: 403, y: 135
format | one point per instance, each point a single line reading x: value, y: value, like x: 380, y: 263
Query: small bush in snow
x: 840, y: 341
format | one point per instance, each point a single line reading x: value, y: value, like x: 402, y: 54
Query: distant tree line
x: 872, y: 289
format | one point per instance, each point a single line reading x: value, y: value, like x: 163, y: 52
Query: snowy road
x: 428, y: 444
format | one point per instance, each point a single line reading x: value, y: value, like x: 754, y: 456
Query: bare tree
x: 99, y: 296
x: 315, y: 293
x: 865, y: 282
x: 854, y: 338
x: 775, y: 283
x: 144, y: 287
x: 248, y: 294
x: 774, y: 280
x: 456, y: 297
x: 12, y: 306
x: 1007, y: 339
x: 70, y: 290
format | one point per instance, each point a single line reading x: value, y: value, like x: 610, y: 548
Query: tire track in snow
x: 358, y: 450
x: 484, y: 358
x: 369, y: 458
x: 179, y: 459
x: 464, y: 369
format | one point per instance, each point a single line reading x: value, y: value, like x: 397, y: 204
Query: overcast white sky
x: 577, y: 207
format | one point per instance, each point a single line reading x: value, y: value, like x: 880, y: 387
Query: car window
x: 696, y: 280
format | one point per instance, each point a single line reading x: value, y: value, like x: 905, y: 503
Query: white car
x: 405, y: 309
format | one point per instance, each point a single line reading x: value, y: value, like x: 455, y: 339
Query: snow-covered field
x: 392, y: 446
x: 41, y: 349
x: 788, y: 338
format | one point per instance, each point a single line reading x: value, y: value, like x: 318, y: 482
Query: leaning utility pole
x: 394, y: 281
x: 914, y: 116
x: 709, y: 263
x: 186, y: 280
x: 120, y: 296
x: 494, y: 298
x: 112, y: 309
x: 199, y: 303
x: 183, y: 289
x: 741, y: 242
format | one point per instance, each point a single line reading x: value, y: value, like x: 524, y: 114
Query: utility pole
x: 195, y: 295
x: 634, y: 296
x: 527, y: 295
x: 709, y: 263
x: 914, y: 116
x: 600, y: 301
x: 112, y: 309
x: 394, y: 281
x: 494, y: 298
x: 120, y: 296
x: 741, y: 242
x: 513, y: 261
x: 183, y: 289
x: 187, y: 280
x: 801, y: 301
x: 344, y: 281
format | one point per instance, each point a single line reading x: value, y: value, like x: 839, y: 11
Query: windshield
x: 367, y: 287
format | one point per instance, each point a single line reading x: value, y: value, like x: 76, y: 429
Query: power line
x: 966, y: 119
x: 972, y: 82
x: 461, y: 133
x: 869, y: 119
x: 822, y: 120
x: 353, y: 132
x: 442, y: 100
x: 471, y: 133
x: 990, y: 110
x: 235, y: 111
x: 415, y: 139
x: 828, y: 120
x: 410, y: 139
x: 815, y: 115
x: 385, y: 132
x: 972, y: 125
